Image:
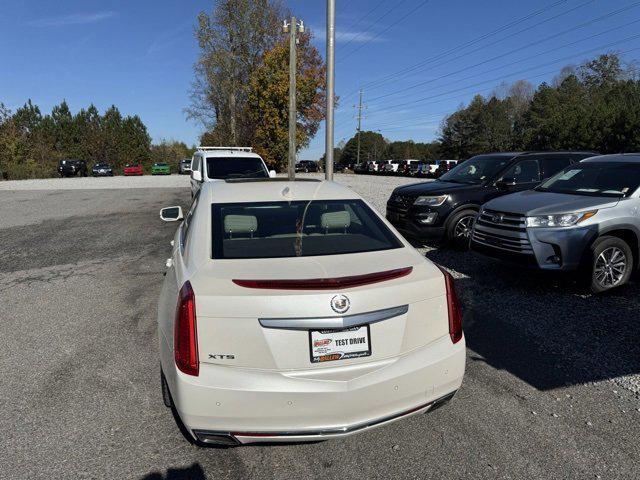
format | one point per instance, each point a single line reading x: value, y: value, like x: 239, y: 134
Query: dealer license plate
x: 330, y: 345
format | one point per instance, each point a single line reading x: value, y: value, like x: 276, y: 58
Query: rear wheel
x: 611, y: 263
x: 166, y: 395
x: 460, y: 226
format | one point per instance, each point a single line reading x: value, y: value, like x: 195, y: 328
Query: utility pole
x: 359, y: 126
x: 292, y: 28
x: 331, y: 40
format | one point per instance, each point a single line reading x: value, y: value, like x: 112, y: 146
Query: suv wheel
x: 460, y: 226
x: 611, y: 263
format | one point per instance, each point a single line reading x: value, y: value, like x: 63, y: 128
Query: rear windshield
x: 298, y: 229
x: 235, y: 167
x: 595, y: 179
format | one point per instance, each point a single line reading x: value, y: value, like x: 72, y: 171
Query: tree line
x: 32, y: 143
x: 595, y: 107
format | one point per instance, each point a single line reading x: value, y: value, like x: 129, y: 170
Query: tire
x: 166, y: 395
x: 611, y: 263
x: 459, y: 228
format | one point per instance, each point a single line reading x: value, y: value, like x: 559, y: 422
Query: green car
x: 160, y: 169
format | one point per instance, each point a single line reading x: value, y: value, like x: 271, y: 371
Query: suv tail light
x: 185, y: 336
x: 453, y: 307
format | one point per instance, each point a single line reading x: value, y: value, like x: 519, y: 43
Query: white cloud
x: 73, y: 19
x: 355, y: 36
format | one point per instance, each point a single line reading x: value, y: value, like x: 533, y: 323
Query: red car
x: 133, y: 169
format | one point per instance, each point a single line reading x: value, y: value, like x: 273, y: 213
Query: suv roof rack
x: 212, y: 149
x: 277, y: 179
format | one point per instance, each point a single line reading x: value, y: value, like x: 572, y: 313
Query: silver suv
x: 586, y: 218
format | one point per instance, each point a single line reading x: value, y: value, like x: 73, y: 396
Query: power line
x: 411, y: 87
x: 416, y: 67
x: 359, y: 35
x: 599, y: 48
x: 389, y: 27
x: 475, y: 40
x: 361, y: 19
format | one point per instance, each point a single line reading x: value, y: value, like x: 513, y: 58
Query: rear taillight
x: 185, y: 337
x: 453, y: 307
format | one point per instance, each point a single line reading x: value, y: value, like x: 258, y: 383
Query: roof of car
x: 534, y: 152
x: 274, y: 190
x: 619, y: 157
x: 228, y: 153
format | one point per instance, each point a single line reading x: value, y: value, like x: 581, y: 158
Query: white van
x: 222, y: 163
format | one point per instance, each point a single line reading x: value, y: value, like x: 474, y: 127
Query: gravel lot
x: 552, y: 388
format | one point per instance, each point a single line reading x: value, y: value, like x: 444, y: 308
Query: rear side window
x: 525, y: 171
x: 196, y: 164
x: 297, y: 229
x: 553, y: 164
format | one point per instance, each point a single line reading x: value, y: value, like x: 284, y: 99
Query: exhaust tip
x: 215, y: 438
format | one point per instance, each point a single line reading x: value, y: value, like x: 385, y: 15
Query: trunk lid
x: 230, y: 332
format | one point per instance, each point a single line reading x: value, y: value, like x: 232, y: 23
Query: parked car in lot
x: 131, y: 169
x: 72, y: 168
x: 423, y: 170
x: 184, y: 167
x: 585, y: 217
x: 408, y: 167
x: 292, y: 311
x: 160, y: 169
x: 210, y: 164
x: 360, y: 168
x: 441, y: 167
x: 102, y: 170
x: 306, y: 166
x: 389, y: 166
x: 447, y: 207
x: 373, y: 166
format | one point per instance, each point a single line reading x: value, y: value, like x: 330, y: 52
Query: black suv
x: 68, y: 168
x: 306, y: 166
x: 447, y: 207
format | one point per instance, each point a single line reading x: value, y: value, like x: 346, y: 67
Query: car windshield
x: 595, y: 179
x: 235, y: 167
x: 298, y: 229
x: 476, y: 170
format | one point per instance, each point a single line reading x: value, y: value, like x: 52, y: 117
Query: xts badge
x: 221, y: 357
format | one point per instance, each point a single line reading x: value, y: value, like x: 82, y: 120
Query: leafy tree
x: 372, y: 147
x: 233, y: 41
x: 268, y: 100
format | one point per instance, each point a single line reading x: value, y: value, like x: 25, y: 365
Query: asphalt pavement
x: 551, y: 390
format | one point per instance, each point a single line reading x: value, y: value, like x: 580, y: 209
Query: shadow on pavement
x: 547, y: 330
x: 194, y: 472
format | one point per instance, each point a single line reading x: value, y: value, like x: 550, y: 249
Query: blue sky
x: 417, y: 60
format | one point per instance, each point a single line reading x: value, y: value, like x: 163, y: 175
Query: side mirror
x: 196, y: 175
x: 506, y: 183
x: 272, y: 174
x: 171, y: 214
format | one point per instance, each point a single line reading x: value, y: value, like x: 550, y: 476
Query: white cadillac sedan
x: 292, y: 311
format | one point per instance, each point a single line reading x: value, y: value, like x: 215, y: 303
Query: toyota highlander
x: 585, y: 218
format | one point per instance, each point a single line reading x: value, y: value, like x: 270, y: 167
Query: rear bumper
x: 252, y: 406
